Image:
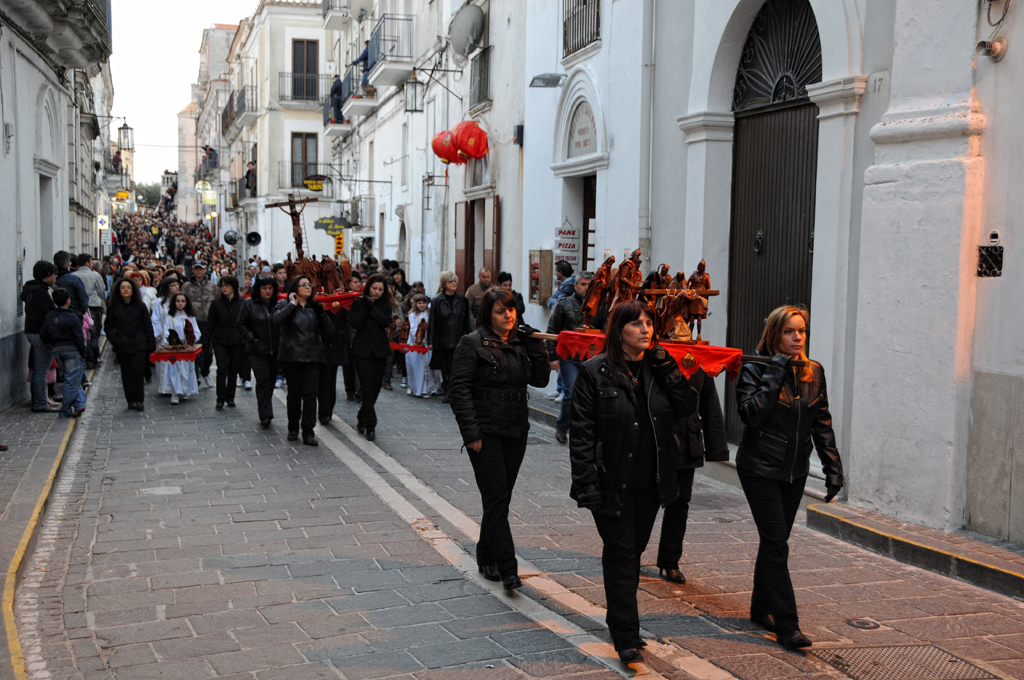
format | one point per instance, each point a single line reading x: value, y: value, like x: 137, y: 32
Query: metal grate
x: 990, y: 261
x: 912, y: 662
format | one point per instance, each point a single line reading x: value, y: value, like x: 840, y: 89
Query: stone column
x: 916, y: 297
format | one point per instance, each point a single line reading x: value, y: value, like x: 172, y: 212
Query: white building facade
x: 858, y: 175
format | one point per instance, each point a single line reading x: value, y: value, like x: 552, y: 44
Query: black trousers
x: 245, y: 372
x: 327, y: 391
x: 351, y: 382
x: 625, y: 538
x: 774, y: 505
x: 133, y: 375
x: 371, y: 377
x: 204, y: 360
x: 229, y: 365
x: 265, y: 370
x: 673, y: 522
x: 303, y: 380
x: 496, y: 467
x: 441, y: 360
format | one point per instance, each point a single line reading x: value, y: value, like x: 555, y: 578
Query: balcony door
x: 305, y: 65
x: 304, y: 156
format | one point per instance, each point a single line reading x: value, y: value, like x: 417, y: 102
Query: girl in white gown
x: 417, y: 365
x: 179, y: 378
x: 168, y: 287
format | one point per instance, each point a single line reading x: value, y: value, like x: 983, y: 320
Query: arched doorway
x: 775, y: 151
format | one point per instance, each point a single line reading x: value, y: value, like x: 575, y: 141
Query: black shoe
x: 310, y: 440
x: 763, y: 620
x: 220, y: 404
x: 350, y: 396
x: 444, y: 399
x: 628, y: 656
x: 793, y: 640
x: 325, y: 421
x: 265, y: 423
x: 490, y: 571
x: 293, y: 436
x: 673, y: 575
x: 139, y: 406
x: 561, y: 437
x: 511, y: 582
x: 371, y: 434
x: 388, y: 386
x: 231, y: 404
x: 360, y: 428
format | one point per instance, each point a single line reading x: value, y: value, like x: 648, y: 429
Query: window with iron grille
x: 581, y: 24
x: 480, y: 76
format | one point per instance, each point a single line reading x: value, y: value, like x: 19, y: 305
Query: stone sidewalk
x: 188, y: 543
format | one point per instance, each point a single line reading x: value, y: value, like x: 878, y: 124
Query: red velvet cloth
x: 712, y: 359
x: 176, y: 356
x: 401, y: 347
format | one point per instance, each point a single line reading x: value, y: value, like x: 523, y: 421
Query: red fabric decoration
x: 175, y: 356
x: 409, y: 348
x: 470, y: 139
x: 444, y: 148
x: 712, y: 359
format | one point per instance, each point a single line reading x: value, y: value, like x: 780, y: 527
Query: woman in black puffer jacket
x: 130, y: 333
x: 622, y: 449
x: 335, y: 355
x: 491, y: 370
x: 262, y: 338
x: 371, y: 315
x: 785, y: 410
x: 303, y: 325
x: 449, y: 321
x: 221, y: 324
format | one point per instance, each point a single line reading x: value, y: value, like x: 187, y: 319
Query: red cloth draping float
x: 174, y: 356
x: 402, y: 347
x: 712, y: 359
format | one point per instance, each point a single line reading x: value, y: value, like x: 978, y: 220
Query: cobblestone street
x: 188, y: 543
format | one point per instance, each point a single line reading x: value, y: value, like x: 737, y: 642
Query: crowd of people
x: 636, y: 426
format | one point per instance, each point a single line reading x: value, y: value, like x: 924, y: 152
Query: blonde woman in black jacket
x: 303, y: 323
x: 785, y: 410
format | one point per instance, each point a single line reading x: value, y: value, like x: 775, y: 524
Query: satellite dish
x: 465, y: 32
x: 231, y: 238
x: 253, y: 238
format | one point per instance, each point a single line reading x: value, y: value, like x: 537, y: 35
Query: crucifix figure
x: 303, y: 265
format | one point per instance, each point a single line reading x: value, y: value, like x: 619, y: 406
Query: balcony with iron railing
x: 480, y: 77
x: 295, y: 176
x: 581, y: 24
x: 303, y: 90
x: 336, y: 126
x: 337, y: 14
x: 227, y: 116
x: 357, y: 100
x: 246, y: 106
x: 391, y: 50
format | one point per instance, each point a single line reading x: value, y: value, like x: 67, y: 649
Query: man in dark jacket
x: 38, y: 303
x: 62, y: 331
x: 567, y: 317
x: 71, y: 283
x: 709, y: 421
x: 336, y: 99
x: 364, y: 60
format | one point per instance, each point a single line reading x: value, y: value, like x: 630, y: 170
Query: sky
x: 154, y: 62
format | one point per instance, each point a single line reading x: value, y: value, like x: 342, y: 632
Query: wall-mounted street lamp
x: 548, y: 80
x: 414, y: 94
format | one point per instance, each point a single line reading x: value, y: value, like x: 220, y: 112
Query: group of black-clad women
x: 639, y: 428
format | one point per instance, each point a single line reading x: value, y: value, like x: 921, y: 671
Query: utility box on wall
x: 542, y: 267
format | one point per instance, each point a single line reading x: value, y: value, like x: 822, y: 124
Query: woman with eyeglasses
x: 303, y: 324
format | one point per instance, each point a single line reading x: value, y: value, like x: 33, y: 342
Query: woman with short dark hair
x: 130, y: 334
x: 370, y: 318
x: 491, y: 370
x: 785, y: 410
x: 626, y: 401
x: 222, y: 325
x: 262, y: 337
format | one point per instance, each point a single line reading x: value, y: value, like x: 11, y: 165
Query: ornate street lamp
x: 414, y: 94
x: 125, y: 138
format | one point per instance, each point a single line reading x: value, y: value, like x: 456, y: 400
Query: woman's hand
x: 781, y: 359
x: 476, y: 446
x: 293, y: 298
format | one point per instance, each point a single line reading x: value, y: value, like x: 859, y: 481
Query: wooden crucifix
x: 302, y: 265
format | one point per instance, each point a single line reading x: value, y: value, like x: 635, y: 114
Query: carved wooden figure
x: 599, y: 291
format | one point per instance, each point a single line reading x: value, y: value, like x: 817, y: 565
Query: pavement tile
x: 109, y: 638
x: 196, y: 647
x: 458, y: 652
x: 270, y: 656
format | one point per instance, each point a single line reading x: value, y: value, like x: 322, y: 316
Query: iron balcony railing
x: 304, y: 87
x: 335, y: 6
x: 391, y: 40
x: 245, y: 101
x: 479, y: 78
x: 350, y: 85
x: 227, y: 116
x: 294, y: 175
x: 581, y: 24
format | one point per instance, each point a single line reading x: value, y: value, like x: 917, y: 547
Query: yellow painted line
x: 817, y: 507
x: 13, y: 640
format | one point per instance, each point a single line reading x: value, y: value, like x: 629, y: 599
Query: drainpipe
x: 646, y: 129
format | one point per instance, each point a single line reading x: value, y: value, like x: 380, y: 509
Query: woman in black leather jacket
x: 785, y: 410
x: 303, y: 324
x: 261, y: 336
x: 626, y: 402
x: 221, y: 323
x: 449, y: 321
x: 130, y: 334
x: 370, y: 318
x: 491, y: 370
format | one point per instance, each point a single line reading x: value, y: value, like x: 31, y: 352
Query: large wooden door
x: 775, y: 162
